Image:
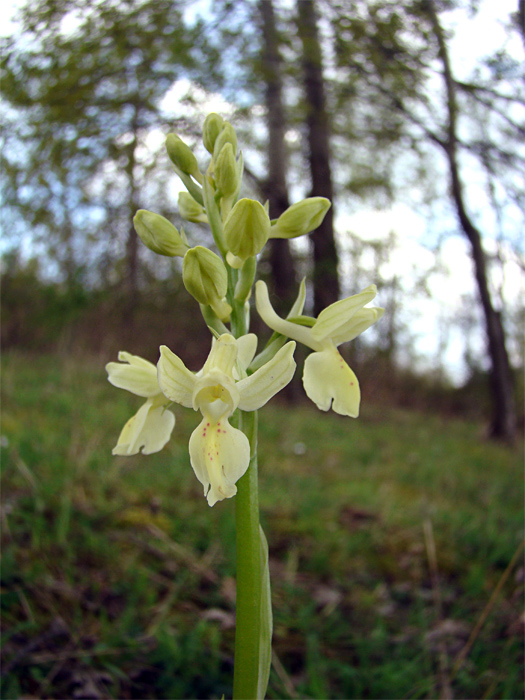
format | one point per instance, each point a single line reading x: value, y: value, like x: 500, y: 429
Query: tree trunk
x: 131, y: 279
x: 503, y: 423
x: 325, y: 274
x: 521, y: 19
x: 275, y: 188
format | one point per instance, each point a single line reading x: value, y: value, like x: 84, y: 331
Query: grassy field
x: 388, y: 536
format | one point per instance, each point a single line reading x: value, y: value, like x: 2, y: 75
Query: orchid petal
x: 138, y: 376
x: 147, y: 431
x: 360, y: 321
x: 175, y: 380
x: 338, y: 314
x: 292, y: 330
x: 327, y: 378
x: 218, y: 390
x: 223, y: 355
x: 247, y: 346
x: 220, y: 455
x: 258, y: 388
x: 298, y: 306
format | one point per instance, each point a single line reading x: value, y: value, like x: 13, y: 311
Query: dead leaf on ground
x: 224, y: 617
x: 453, y: 632
x: 328, y: 598
x: 353, y: 518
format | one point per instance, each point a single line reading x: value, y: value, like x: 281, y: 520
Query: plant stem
x: 248, y: 614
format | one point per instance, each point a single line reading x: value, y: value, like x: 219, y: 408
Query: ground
x: 389, y: 536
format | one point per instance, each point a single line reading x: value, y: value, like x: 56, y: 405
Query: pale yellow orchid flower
x: 220, y: 453
x: 327, y: 379
x: 150, y: 428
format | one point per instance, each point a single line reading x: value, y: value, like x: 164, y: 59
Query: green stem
x: 247, y: 633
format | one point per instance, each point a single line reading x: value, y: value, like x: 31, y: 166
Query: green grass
x: 118, y: 579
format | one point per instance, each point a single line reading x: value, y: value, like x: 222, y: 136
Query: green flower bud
x: 246, y: 229
x: 205, y: 277
x: 300, y: 218
x: 211, y: 129
x: 182, y: 156
x: 226, y: 171
x: 158, y: 234
x: 226, y: 135
x: 191, y: 210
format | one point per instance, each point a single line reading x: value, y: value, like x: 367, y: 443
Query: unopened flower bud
x: 246, y: 229
x: 211, y: 129
x: 158, y: 234
x: 205, y: 277
x: 191, y: 210
x: 226, y: 135
x: 300, y: 218
x: 182, y: 156
x: 226, y: 171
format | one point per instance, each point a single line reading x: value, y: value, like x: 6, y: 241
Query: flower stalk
x: 246, y: 681
x: 248, y: 609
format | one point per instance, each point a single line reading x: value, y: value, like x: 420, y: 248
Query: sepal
x: 205, y: 277
x: 257, y: 389
x: 191, y: 210
x: 210, y: 130
x: 134, y: 374
x: 341, y: 313
x: 301, y: 218
x: 147, y: 431
x: 225, y: 172
x: 175, y: 380
x: 182, y: 156
x: 158, y: 234
x: 226, y: 135
x: 246, y: 229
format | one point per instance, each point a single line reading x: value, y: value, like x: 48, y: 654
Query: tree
x: 275, y: 187
x: 325, y: 260
x: 504, y: 414
x: 394, y: 49
x: 84, y: 85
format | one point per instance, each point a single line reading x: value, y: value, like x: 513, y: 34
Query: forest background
x: 418, y: 139
x: 362, y: 103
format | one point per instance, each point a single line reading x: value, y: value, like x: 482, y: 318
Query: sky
x: 474, y: 37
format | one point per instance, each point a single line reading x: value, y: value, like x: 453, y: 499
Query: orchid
x: 150, y: 428
x: 327, y: 379
x: 235, y: 382
x: 220, y: 453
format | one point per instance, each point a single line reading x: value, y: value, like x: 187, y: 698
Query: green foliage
x: 39, y: 314
x: 35, y: 312
x: 83, y: 87
x: 116, y: 573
